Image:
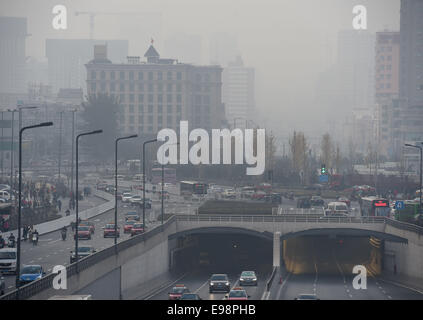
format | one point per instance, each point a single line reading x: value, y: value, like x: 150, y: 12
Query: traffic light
x: 323, y: 169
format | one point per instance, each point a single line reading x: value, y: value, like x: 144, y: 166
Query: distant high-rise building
x: 223, y: 48
x: 158, y: 93
x: 185, y: 47
x: 349, y: 83
x: 411, y: 62
x: 411, y: 77
x: 13, y: 32
x: 387, y: 65
x: 238, y: 93
x: 387, y: 88
x: 356, y: 56
x: 67, y: 58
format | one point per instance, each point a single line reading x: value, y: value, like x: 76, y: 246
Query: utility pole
x: 73, y: 147
x: 60, y: 143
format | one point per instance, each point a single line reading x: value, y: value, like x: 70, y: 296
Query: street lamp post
x: 18, y: 258
x: 60, y: 144
x: 73, y: 147
x: 163, y: 184
x: 116, y: 181
x: 77, y: 195
x: 143, y: 179
x: 421, y: 167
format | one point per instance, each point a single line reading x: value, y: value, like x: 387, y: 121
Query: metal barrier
x: 280, y: 218
x: 404, y: 226
x: 272, y: 276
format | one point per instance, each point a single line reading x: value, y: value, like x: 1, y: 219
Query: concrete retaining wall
x: 147, y: 266
x: 407, y: 257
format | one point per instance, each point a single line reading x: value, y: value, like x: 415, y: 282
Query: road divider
x: 54, y: 225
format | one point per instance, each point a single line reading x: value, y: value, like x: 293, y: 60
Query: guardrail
x: 281, y: 210
x: 405, y: 226
x: 272, y: 276
x: 280, y: 218
x: 46, y: 282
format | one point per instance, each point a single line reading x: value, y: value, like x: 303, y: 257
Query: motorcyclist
x: 35, y: 236
x: 64, y: 231
x: 11, y: 240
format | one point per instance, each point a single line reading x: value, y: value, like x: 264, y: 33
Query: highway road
x: 325, y: 268
x: 52, y: 250
x: 197, y: 282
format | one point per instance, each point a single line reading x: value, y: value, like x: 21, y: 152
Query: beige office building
x: 158, y: 93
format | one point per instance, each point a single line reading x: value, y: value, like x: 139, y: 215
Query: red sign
x: 381, y: 203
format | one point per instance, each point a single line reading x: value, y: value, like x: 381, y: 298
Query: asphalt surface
x: 198, y: 282
x: 325, y: 268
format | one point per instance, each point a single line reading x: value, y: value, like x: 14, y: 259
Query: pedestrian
x: 59, y: 204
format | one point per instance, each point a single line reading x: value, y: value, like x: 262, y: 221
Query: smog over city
x: 211, y: 150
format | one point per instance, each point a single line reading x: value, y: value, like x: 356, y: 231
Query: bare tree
x: 298, y: 144
x: 327, y: 150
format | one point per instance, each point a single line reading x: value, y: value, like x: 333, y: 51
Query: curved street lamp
x: 77, y: 191
x: 18, y: 250
x: 116, y: 183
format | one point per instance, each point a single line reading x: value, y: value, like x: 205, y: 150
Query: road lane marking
x: 54, y: 241
x: 401, y: 285
x: 207, y: 281
x: 283, y: 283
x: 32, y: 261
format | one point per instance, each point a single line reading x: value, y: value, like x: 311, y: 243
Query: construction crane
x: 92, y: 15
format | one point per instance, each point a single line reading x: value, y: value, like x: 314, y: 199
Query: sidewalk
x: 403, y: 280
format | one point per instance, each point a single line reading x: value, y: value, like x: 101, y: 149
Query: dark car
x: 190, y: 296
x: 317, y: 201
x: 83, y: 251
x: 132, y: 215
x: 273, y: 198
x: 304, y: 202
x: 219, y: 282
x: 177, y: 292
x: 248, y: 278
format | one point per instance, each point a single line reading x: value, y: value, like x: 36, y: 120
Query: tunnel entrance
x: 332, y: 255
x: 226, y: 253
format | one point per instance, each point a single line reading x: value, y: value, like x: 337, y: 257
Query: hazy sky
x: 288, y: 42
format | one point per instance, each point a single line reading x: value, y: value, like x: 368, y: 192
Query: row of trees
x: 301, y: 167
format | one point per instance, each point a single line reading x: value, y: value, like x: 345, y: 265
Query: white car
x: 8, y: 260
x: 6, y: 195
x: 229, y: 194
x: 135, y: 199
x: 126, y: 196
